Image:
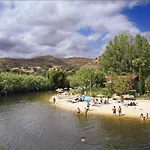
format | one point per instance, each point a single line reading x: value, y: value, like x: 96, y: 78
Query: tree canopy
x: 125, y: 54
x: 57, y: 78
x: 86, y: 77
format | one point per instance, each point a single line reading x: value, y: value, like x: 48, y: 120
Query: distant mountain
x: 43, y: 62
x: 77, y: 62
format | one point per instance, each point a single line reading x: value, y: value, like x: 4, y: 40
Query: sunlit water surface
x: 30, y: 122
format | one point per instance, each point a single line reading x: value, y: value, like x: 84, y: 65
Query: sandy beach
x: 143, y: 106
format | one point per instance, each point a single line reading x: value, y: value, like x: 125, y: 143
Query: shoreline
x: 103, y: 109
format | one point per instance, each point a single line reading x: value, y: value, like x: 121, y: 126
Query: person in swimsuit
x: 141, y: 116
x: 147, y: 116
x: 119, y: 110
x: 54, y: 100
x: 88, y: 105
x: 86, y: 111
x: 114, y: 111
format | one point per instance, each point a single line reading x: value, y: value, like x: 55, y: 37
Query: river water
x: 30, y: 122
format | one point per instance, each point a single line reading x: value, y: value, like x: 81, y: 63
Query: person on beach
x: 141, y: 116
x: 88, y: 105
x: 147, y: 116
x: 108, y: 100
x: 114, y: 111
x: 54, y: 100
x: 101, y: 100
x: 78, y: 110
x: 97, y: 102
x: 119, y: 110
x: 122, y: 100
x: 86, y: 111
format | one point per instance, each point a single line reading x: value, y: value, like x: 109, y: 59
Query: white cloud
x: 146, y: 35
x: 34, y: 28
x: 94, y: 37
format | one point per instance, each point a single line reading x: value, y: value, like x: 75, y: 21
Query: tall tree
x: 58, y: 78
x: 141, y: 82
x: 87, y: 77
x: 124, y: 55
x: 141, y: 56
x: 147, y: 83
x: 117, y: 57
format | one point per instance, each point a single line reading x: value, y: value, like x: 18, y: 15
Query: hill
x: 44, y: 62
x: 94, y: 63
x: 76, y: 62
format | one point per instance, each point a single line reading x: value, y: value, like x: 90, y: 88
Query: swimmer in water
x: 83, y: 139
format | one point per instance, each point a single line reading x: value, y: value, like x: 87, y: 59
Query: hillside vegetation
x: 45, y: 62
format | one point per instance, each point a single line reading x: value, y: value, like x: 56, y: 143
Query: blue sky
x: 68, y: 28
x: 140, y: 15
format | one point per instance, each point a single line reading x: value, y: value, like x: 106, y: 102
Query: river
x: 30, y: 122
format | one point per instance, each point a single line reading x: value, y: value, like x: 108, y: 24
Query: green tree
x: 141, y: 82
x: 147, y: 83
x: 110, y: 84
x: 118, y: 85
x: 125, y: 55
x: 141, y: 56
x: 122, y: 86
x: 87, y: 77
x: 58, y: 78
x: 99, y: 78
x: 74, y: 81
x: 118, y: 55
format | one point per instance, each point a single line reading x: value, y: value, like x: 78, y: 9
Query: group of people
x: 132, y: 104
x: 86, y: 109
x: 115, y: 111
x: 101, y: 101
x: 79, y: 111
x: 143, y: 117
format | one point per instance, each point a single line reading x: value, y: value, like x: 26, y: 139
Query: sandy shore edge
x: 104, y: 109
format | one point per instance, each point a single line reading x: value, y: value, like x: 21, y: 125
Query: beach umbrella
x: 117, y: 97
x: 87, y: 99
x: 132, y: 96
x: 126, y: 96
x: 56, y: 90
x: 83, y: 96
x: 60, y: 90
x: 65, y: 93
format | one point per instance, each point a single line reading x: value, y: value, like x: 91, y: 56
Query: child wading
x: 119, y: 110
x: 78, y: 110
x: 114, y: 111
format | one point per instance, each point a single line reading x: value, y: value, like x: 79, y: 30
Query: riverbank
x: 103, y: 109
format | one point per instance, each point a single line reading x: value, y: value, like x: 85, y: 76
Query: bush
x: 16, y: 83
